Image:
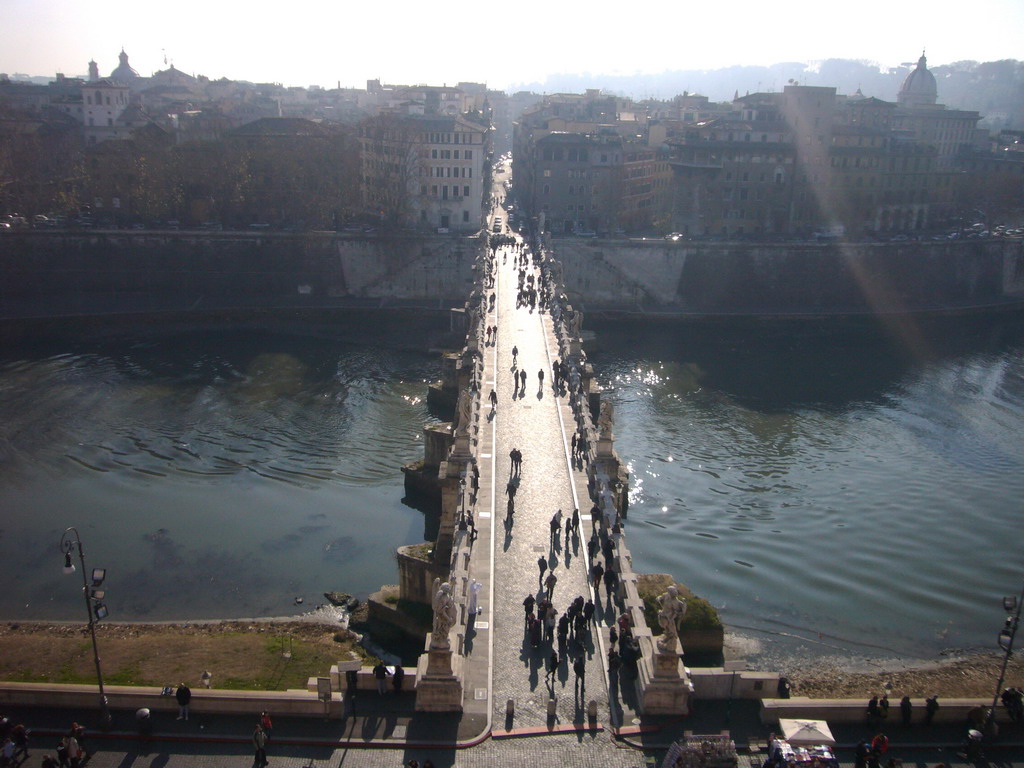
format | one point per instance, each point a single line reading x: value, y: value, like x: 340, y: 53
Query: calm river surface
x: 218, y: 474
x: 842, y: 493
x: 860, y: 494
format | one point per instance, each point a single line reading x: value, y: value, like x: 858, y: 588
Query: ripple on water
x: 219, y: 437
x: 863, y: 513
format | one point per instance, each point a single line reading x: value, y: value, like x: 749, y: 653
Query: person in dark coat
x: 579, y: 667
x: 397, y: 679
x: 381, y: 673
x: 553, y: 664
x: 259, y: 743
x: 906, y: 708
x: 183, y: 695
x: 931, y: 706
x: 528, y: 604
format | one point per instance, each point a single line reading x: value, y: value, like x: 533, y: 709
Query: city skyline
x: 331, y: 45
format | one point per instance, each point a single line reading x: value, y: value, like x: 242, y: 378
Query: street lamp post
x: 93, y: 595
x: 1013, y: 606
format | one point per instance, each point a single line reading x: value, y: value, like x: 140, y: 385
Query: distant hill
x: 994, y: 88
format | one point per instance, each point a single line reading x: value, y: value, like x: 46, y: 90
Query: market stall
x: 806, y: 744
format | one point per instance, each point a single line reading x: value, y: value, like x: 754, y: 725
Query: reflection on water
x: 215, y: 474
x: 839, y: 488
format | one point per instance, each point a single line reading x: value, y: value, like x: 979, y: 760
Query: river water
x: 217, y: 474
x: 852, y: 493
x: 842, y: 492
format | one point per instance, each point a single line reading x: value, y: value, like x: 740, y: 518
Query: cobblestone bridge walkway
x: 535, y: 419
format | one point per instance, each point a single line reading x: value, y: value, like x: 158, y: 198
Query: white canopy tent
x: 806, y: 732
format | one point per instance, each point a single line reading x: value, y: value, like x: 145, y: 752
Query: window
x: 465, y: 191
x: 547, y: 189
x: 456, y: 155
x: 547, y: 174
x: 433, y: 154
x: 468, y: 154
x: 465, y: 216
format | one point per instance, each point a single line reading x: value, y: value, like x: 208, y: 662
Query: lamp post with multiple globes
x: 1012, y: 606
x: 93, y: 594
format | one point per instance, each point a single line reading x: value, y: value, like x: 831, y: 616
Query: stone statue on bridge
x: 605, y: 420
x: 574, y: 323
x: 445, y: 614
x: 463, y: 413
x: 671, y: 612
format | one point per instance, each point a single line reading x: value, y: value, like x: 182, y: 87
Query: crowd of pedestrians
x: 561, y: 637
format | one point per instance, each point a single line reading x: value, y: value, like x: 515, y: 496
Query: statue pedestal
x: 668, y: 692
x: 461, y: 451
x: 439, y: 681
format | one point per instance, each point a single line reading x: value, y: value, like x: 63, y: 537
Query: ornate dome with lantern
x: 919, y: 89
x: 124, y: 73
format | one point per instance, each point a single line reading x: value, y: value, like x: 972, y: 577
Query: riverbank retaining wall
x: 56, y: 274
x: 789, y: 278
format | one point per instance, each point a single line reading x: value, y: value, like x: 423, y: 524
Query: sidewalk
x: 388, y: 734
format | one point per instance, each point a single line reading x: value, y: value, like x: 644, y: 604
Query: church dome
x: 919, y: 88
x: 124, y: 73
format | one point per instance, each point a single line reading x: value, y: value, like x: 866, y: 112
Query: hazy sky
x: 320, y: 42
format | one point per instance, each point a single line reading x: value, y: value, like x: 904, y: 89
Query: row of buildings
x: 410, y: 156
x: 768, y: 164
x: 803, y: 160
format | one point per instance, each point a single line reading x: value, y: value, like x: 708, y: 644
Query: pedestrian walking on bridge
x: 596, y: 574
x: 549, y: 584
x: 556, y: 524
x: 580, y: 668
x: 528, y: 604
x: 553, y: 664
